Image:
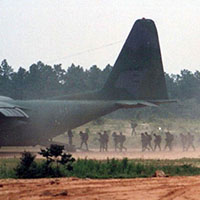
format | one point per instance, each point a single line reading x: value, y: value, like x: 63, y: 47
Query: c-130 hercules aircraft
x: 137, y: 80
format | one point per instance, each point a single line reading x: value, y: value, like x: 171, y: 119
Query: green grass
x: 113, y: 168
x: 7, y: 167
x: 132, y: 168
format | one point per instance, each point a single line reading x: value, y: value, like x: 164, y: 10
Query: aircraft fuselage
x: 48, y: 119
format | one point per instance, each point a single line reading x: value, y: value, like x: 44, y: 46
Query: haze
x: 90, y: 33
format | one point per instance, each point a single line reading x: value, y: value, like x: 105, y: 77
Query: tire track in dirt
x: 184, y: 192
x: 104, y: 189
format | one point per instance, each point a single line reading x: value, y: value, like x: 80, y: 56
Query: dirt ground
x: 169, y: 188
x: 136, y: 153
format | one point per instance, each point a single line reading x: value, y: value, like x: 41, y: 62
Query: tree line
x: 43, y: 81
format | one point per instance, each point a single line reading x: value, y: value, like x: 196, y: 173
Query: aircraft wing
x: 8, y: 110
x: 139, y: 103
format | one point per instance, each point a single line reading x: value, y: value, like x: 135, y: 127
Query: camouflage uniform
x: 157, y: 141
x: 144, y: 142
x: 190, y: 141
x: 105, y: 140
x: 183, y: 141
x: 169, y: 139
x: 148, y: 140
x: 122, y: 139
x: 133, y: 126
x: 101, y: 142
x: 70, y: 135
x: 84, y: 139
x: 115, y: 140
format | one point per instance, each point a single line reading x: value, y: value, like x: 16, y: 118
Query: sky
x: 92, y: 32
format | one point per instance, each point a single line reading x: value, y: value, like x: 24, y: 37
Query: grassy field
x: 113, y: 168
x: 7, y: 167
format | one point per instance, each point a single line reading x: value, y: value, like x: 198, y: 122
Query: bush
x: 27, y: 168
x: 55, y: 154
x: 57, y: 164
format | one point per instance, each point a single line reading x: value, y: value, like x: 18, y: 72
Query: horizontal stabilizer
x: 135, y: 104
x: 158, y: 102
x: 139, y: 104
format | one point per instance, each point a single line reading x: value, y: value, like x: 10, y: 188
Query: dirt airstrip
x: 109, y: 189
x: 112, y: 189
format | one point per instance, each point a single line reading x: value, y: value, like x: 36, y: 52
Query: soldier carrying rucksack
x: 183, y: 141
x: 157, y: 141
x: 148, y: 140
x: 70, y: 136
x: 115, y: 140
x: 169, y: 139
x: 122, y: 139
x: 144, y: 142
x: 190, y: 141
x: 101, y: 142
x: 105, y: 140
x: 84, y: 139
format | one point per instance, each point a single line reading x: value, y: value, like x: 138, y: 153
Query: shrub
x: 55, y: 154
x: 57, y: 163
x: 27, y: 168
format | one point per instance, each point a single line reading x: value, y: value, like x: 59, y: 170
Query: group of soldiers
x: 103, y: 139
x: 187, y: 141
x: 117, y: 139
x: 84, y: 140
x: 146, y: 142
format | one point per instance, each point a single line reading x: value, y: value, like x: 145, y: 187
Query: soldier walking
x: 169, y: 139
x: 183, y: 141
x: 148, y: 140
x: 157, y: 141
x: 122, y: 139
x: 70, y: 135
x: 101, y: 147
x: 190, y: 140
x: 144, y: 142
x: 115, y: 140
x: 105, y: 140
x: 84, y: 139
x: 133, y: 126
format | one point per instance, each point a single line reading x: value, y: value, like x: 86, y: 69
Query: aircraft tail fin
x: 138, y: 71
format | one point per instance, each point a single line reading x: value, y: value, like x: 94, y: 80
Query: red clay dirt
x: 175, y: 188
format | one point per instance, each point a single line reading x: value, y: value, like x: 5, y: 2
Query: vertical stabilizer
x: 138, y: 71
